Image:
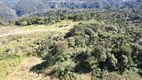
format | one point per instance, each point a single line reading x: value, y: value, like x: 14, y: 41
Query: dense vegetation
x: 92, y: 48
x: 123, y: 17
x: 113, y: 46
x: 52, y: 18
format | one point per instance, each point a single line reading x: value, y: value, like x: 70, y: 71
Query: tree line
x: 123, y: 17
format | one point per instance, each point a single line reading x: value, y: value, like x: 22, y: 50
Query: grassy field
x: 14, y: 49
x: 63, y: 23
x: 8, y: 65
x: 33, y: 27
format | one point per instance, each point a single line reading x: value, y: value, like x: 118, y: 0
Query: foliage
x: 74, y: 54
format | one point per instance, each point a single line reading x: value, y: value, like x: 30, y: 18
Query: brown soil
x: 23, y: 71
x: 6, y: 30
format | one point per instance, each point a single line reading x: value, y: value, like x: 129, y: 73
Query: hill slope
x: 21, y: 7
x: 6, y: 13
x: 28, y: 6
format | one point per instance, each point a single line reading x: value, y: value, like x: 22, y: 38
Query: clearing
x: 62, y: 26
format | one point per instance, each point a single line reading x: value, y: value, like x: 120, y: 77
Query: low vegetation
x: 61, y: 24
x: 9, y: 64
x: 14, y: 49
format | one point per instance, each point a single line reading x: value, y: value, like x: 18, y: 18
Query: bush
x: 100, y: 53
x: 23, y: 23
x: 80, y: 41
x: 126, y: 49
x: 64, y: 69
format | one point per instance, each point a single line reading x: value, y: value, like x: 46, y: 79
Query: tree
x: 80, y: 41
x: 126, y: 49
x: 40, y: 21
x: 112, y: 61
x: 100, y: 53
x: 23, y: 23
x: 71, y: 41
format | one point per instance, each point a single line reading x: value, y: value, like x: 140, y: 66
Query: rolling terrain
x: 70, y: 39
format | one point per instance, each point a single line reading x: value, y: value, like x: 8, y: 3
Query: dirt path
x: 19, y: 31
x: 23, y: 71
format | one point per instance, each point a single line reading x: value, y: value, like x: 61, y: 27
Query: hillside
x: 22, y: 7
x: 6, y: 13
x: 75, y: 44
x: 70, y: 39
x: 77, y: 54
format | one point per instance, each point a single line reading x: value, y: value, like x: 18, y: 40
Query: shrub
x: 64, y: 69
x: 23, y: 23
x: 71, y: 41
x: 100, y: 53
x: 80, y: 41
x: 126, y: 49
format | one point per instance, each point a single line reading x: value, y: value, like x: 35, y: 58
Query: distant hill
x: 28, y: 6
x: 10, y: 1
x: 6, y: 13
x: 22, y: 7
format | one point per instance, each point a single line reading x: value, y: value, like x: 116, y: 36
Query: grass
x: 20, y: 44
x: 33, y: 27
x: 8, y: 65
x: 13, y: 49
x: 52, y: 26
x: 91, y: 21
